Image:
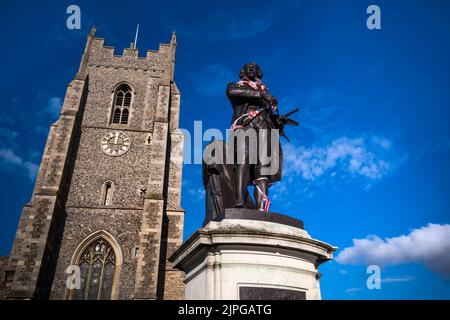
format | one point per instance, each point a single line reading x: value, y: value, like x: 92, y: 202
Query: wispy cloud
x: 11, y: 125
x: 362, y: 161
x: 429, y: 245
x: 193, y: 190
x: 382, y: 142
x: 327, y: 112
x: 220, y: 25
x: 54, y: 105
x: 344, y: 156
x: 212, y: 80
x: 333, y: 150
x: 14, y: 113
x: 438, y: 144
x: 323, y: 112
x: 7, y: 135
x: 351, y: 290
x: 398, y: 279
x: 9, y: 159
x: 375, y: 67
x: 198, y: 193
x: 76, y: 38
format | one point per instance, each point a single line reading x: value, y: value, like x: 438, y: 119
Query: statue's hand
x: 279, y: 121
x: 269, y: 99
x: 282, y: 120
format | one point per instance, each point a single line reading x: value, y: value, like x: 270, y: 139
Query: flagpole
x: 135, y: 38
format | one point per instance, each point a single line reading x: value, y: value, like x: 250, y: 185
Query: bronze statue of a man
x: 254, y: 108
x: 227, y: 177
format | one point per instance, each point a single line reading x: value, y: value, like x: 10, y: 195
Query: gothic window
x: 122, y: 104
x: 97, y: 267
x: 107, y: 193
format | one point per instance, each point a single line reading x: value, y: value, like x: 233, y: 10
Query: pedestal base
x: 241, y: 258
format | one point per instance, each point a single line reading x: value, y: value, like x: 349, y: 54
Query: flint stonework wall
x: 122, y: 224
x: 93, y: 167
x: 102, y: 82
x: 3, y: 265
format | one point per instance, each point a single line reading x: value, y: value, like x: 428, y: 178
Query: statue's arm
x: 236, y: 92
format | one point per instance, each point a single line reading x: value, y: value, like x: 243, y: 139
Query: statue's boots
x: 261, y: 191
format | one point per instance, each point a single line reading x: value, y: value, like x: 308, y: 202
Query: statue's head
x: 251, y: 71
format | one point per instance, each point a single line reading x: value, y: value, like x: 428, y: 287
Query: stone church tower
x: 107, y: 197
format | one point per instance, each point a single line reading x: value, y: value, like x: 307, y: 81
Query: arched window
x: 122, y: 104
x: 97, y: 265
x: 107, y: 193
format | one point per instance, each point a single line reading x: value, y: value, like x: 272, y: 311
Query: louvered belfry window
x: 122, y: 104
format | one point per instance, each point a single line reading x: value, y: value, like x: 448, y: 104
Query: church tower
x: 106, y: 204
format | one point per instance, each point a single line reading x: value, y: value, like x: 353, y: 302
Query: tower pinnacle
x: 173, y: 40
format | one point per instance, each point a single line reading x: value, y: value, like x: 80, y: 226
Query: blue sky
x: 369, y: 161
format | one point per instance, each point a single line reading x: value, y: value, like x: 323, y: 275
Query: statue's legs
x: 245, y: 172
x: 242, y: 173
x: 242, y: 181
x: 260, y: 171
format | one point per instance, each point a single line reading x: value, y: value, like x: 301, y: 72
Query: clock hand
x: 117, y: 137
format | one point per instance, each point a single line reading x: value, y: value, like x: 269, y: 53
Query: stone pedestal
x: 248, y: 254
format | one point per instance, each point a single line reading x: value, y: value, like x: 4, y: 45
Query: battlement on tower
x: 159, y: 63
x: 106, y: 56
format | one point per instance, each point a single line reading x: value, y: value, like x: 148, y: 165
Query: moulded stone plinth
x: 252, y: 256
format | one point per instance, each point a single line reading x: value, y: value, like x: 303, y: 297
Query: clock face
x: 116, y: 143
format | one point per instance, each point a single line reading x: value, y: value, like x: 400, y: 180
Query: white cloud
x: 429, y: 245
x: 360, y: 161
x: 8, y: 157
x: 344, y: 155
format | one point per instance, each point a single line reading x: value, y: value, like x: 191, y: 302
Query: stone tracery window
x: 98, y: 267
x: 122, y: 104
